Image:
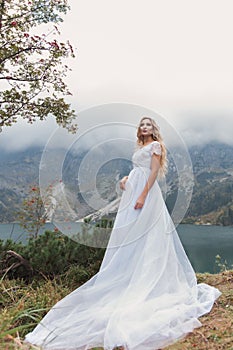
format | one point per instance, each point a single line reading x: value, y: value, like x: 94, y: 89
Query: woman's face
x: 146, y: 127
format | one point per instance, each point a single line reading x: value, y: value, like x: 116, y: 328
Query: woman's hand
x: 122, y: 182
x: 140, y: 202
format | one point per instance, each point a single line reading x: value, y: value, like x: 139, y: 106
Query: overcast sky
x: 172, y: 57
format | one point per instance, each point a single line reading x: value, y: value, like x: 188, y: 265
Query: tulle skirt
x: 145, y: 295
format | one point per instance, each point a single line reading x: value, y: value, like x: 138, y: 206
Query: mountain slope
x: 212, y: 199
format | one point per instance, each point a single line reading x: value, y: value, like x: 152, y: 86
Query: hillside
x: 212, y: 199
x: 23, y: 306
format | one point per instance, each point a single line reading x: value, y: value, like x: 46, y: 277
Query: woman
x: 145, y: 295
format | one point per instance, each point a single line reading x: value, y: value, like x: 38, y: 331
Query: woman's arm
x: 155, y: 165
x: 122, y: 182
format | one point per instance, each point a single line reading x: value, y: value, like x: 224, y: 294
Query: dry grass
x: 216, y: 332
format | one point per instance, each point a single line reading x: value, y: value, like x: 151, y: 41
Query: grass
x: 22, y: 306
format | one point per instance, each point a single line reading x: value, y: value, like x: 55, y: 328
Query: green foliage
x: 49, y: 255
x: 32, y: 65
x: 76, y: 275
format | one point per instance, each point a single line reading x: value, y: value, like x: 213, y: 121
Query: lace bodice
x: 142, y: 156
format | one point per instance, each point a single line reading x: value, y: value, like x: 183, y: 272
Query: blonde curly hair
x: 156, y: 137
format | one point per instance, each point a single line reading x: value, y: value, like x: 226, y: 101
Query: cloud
x: 118, y: 121
x: 23, y: 135
x: 170, y: 50
x: 201, y: 127
x: 171, y: 57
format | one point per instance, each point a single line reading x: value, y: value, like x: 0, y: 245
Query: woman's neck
x: 147, y: 139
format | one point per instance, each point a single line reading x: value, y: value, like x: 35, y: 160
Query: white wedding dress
x: 145, y: 295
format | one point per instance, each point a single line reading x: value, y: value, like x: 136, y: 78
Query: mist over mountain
x: 90, y: 180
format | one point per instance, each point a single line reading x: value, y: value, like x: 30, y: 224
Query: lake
x: 201, y: 243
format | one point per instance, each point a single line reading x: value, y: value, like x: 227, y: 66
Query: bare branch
x: 21, y: 262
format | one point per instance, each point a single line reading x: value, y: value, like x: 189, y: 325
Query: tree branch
x: 18, y: 79
x: 21, y: 262
x: 31, y: 48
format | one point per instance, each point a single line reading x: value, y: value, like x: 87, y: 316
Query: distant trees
x: 32, y: 67
x: 226, y: 218
x: 209, y: 197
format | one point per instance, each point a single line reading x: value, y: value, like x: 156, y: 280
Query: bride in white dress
x: 145, y: 295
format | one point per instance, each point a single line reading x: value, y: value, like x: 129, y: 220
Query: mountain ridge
x: 212, y: 198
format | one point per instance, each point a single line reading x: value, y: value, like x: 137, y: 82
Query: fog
x: 119, y: 121
x: 172, y: 58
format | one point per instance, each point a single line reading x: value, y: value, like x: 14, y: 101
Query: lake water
x: 201, y: 243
